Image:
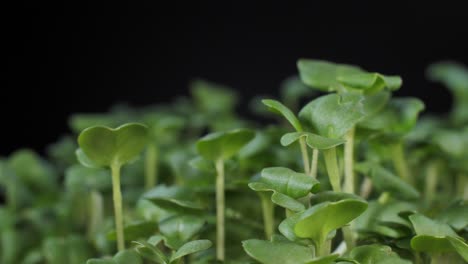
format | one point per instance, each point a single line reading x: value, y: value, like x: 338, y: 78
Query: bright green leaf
x: 223, y: 145
x: 105, y: 146
x: 281, y: 109
x: 312, y: 140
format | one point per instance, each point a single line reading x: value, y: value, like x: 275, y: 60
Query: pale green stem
x: 348, y: 236
x: 151, y: 166
x: 366, y: 188
x: 268, y: 210
x: 332, y: 168
x: 399, y: 162
x: 462, y: 185
x: 313, y: 163
x: 117, y: 196
x: 349, y: 162
x: 323, y: 248
x: 95, y: 213
x: 431, y: 181
x: 220, y: 210
x: 305, y: 155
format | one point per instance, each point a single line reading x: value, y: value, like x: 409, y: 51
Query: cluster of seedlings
x: 351, y: 176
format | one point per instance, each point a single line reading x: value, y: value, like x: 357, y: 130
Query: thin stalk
x: 268, y: 210
x: 332, y: 168
x: 323, y: 248
x: 348, y: 236
x: 462, y: 185
x: 95, y: 215
x: 399, y: 162
x: 313, y: 163
x: 117, y: 196
x: 349, y: 162
x: 366, y: 188
x: 305, y: 155
x: 431, y: 181
x: 151, y: 166
x: 220, y: 210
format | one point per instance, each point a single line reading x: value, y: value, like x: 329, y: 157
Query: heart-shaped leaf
x: 333, y: 115
x: 122, y: 257
x: 281, y: 109
x: 136, y: 230
x: 278, y: 252
x: 323, y: 75
x: 397, y: 118
x: 179, y: 229
x: 312, y: 140
x: 319, y: 220
x: 223, y: 145
x: 369, y: 254
x: 105, y: 146
x: 190, y: 248
x: 431, y: 236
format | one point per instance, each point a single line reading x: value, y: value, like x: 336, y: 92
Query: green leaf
x: 223, y: 145
x: 278, y: 252
x: 213, y: 98
x: 136, y: 230
x: 333, y: 115
x: 452, y: 74
x: 190, y: 248
x: 377, y: 216
x: 286, y: 228
x: 319, y: 220
x: 281, y: 109
x: 293, y: 89
x: 312, y: 140
x: 122, y: 257
x: 460, y: 246
x: 370, y: 254
x: 83, y: 179
x: 71, y: 249
x: 323, y: 75
x: 397, y: 118
x: 179, y: 229
x: 105, y: 146
x: 288, y: 182
x: 174, y: 198
x: 431, y: 236
x: 150, y: 251
x: 386, y: 181
x: 370, y: 81
x: 286, y: 185
x: 456, y: 215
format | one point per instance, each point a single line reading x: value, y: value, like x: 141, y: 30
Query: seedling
x: 218, y: 147
x: 112, y: 148
x: 411, y: 174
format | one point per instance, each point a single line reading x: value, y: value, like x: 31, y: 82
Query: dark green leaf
x: 281, y: 109
x: 223, y: 145
x: 190, y: 248
x: 312, y: 140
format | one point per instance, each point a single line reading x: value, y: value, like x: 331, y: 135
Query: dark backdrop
x: 58, y: 59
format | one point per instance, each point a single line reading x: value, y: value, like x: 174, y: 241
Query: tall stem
x: 313, y: 163
x: 268, y: 210
x: 349, y: 162
x: 431, y: 181
x: 220, y: 209
x: 332, y: 168
x: 95, y: 215
x: 323, y: 248
x: 151, y: 164
x: 305, y: 155
x: 399, y: 162
x: 348, y: 236
x: 117, y: 196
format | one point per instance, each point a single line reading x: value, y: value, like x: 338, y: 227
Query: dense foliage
x: 346, y: 174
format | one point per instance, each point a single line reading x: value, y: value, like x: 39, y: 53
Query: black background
x: 59, y: 59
